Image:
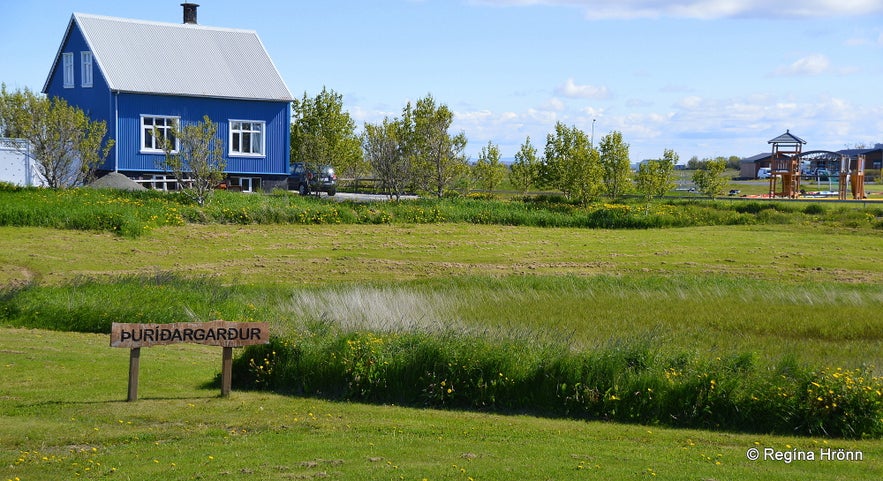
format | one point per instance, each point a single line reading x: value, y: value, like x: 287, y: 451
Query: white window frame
x: 67, y: 61
x: 247, y: 184
x: 253, y: 127
x: 86, y: 68
x: 154, y: 148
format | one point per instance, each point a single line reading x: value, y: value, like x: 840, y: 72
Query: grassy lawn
x: 806, y: 291
x: 61, y: 399
x: 327, y: 254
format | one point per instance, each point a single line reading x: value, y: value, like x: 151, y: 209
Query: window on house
x: 246, y: 184
x: 246, y: 137
x: 86, y: 68
x: 68, y: 62
x: 155, y: 131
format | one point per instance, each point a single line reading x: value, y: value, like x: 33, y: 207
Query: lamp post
x: 593, y: 134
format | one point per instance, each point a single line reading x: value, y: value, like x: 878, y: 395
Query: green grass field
x: 64, y: 417
x: 784, y: 290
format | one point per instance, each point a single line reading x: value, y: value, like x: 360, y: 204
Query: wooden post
x: 226, y: 371
x: 134, y: 361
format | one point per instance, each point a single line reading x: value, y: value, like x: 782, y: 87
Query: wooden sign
x: 215, y: 333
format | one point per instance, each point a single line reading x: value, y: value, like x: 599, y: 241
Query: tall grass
x: 440, y: 344
x: 135, y: 213
x: 628, y: 381
x: 128, y: 214
x: 703, y: 314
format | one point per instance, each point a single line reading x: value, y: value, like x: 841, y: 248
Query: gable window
x: 155, y: 131
x: 246, y: 137
x: 68, y: 63
x: 86, y: 68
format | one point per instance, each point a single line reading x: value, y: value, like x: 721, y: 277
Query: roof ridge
x: 79, y: 15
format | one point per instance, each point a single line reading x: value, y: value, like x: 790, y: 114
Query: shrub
x: 625, y: 381
x: 814, y: 209
x: 135, y: 213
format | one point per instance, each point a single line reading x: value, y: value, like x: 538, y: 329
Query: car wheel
x: 332, y: 191
x: 303, y: 189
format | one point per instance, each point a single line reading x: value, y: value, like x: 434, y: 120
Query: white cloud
x: 574, y: 91
x: 595, y: 113
x: 703, y: 9
x: 554, y: 104
x: 704, y: 126
x: 816, y: 64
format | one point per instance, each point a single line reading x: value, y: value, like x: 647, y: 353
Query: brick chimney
x: 190, y: 13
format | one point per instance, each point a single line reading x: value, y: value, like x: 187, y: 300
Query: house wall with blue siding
x: 277, y: 116
x: 95, y: 101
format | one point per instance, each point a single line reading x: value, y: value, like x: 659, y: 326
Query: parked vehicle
x: 764, y: 173
x: 307, y: 181
x: 819, y: 174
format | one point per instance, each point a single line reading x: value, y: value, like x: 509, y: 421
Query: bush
x: 133, y: 214
x: 814, y: 209
x: 625, y: 381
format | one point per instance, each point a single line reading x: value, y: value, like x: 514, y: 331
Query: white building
x: 16, y: 164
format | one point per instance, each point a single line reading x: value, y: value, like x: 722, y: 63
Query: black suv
x: 308, y: 181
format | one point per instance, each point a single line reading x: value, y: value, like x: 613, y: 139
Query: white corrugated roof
x: 181, y: 59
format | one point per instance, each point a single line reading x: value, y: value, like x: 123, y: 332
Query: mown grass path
x: 297, y: 255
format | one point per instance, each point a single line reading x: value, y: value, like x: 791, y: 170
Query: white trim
x: 246, y: 184
x: 143, y: 136
x: 86, y: 68
x: 67, y: 60
x: 261, y: 130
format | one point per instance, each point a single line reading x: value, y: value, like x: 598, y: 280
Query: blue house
x: 142, y: 77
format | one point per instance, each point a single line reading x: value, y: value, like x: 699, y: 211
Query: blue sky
x: 702, y: 77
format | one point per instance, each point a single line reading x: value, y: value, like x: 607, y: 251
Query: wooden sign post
x: 215, y: 333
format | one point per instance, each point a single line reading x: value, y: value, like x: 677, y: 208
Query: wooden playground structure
x: 785, y: 165
x: 788, y: 159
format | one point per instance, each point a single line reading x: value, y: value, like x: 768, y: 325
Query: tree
x: 67, y: 145
x: 734, y: 162
x: 571, y: 165
x: 195, y: 156
x: 656, y: 177
x: 525, y: 170
x: 488, y: 171
x: 615, y: 164
x: 709, y: 177
x: 323, y: 134
x: 383, y: 152
x: 436, y: 156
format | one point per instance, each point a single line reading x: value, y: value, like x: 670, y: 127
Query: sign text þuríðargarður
x: 213, y: 333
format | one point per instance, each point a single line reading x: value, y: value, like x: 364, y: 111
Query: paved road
x: 346, y: 196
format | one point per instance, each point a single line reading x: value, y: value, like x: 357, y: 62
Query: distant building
x: 141, y: 77
x: 749, y: 166
x: 873, y: 157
